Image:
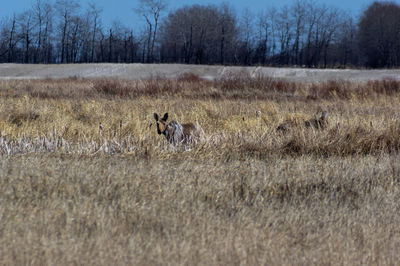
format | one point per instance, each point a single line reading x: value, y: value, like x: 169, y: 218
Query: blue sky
x: 123, y: 9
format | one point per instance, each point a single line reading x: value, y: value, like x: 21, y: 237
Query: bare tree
x: 313, y: 15
x: 285, y: 33
x: 199, y: 34
x: 263, y: 29
x: 272, y: 17
x: 346, y: 42
x: 151, y: 10
x: 41, y: 20
x: 379, y: 34
x: 330, y: 26
x: 47, y: 15
x: 66, y: 10
x: 246, y: 28
x: 227, y: 24
x: 94, y: 14
x: 119, y: 42
x: 26, y: 27
x: 76, y: 39
x: 11, y: 39
x: 38, y: 16
x: 298, y: 13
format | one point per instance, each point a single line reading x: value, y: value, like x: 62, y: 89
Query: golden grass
x: 75, y: 192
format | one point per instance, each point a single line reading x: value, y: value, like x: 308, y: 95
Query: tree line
x: 304, y: 33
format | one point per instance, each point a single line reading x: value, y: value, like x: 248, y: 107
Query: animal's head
x: 161, y: 123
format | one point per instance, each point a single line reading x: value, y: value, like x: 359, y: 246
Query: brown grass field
x: 86, y: 180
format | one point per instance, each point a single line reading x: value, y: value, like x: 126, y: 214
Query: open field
x: 86, y: 179
x: 212, y: 72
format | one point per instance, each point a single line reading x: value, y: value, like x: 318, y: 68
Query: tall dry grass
x: 86, y: 179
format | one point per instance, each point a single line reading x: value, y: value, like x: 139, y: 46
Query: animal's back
x: 191, y: 130
x: 188, y: 128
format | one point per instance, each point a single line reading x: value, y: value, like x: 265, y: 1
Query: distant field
x: 141, y: 71
x: 86, y: 179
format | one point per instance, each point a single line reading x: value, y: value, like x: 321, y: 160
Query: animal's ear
x: 165, y: 117
x: 156, y: 116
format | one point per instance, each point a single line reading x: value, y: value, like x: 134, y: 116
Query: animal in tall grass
x: 316, y: 123
x: 177, y: 133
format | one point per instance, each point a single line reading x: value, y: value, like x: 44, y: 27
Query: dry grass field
x: 86, y: 180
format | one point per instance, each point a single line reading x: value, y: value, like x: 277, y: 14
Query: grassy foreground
x: 85, y: 179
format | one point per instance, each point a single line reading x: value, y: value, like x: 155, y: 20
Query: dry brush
x: 85, y: 178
